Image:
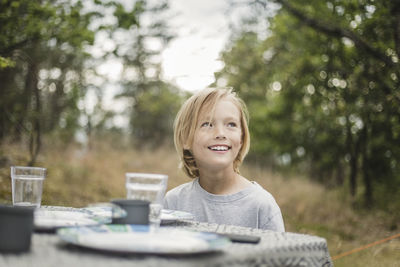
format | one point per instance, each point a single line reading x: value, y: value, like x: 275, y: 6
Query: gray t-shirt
x: 252, y: 207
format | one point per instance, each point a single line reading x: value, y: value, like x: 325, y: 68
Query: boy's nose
x: 219, y: 132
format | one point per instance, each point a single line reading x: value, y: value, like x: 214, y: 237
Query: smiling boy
x: 212, y: 138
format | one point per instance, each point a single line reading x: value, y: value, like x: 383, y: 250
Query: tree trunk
x: 6, y: 98
x: 56, y: 104
x: 339, y: 177
x: 353, y: 148
x: 396, y: 25
x: 25, y: 100
x: 35, y: 134
x: 368, y: 197
x: 353, y: 176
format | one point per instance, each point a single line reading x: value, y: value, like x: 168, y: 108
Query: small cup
x: 137, y: 211
x: 16, y: 226
x: 27, y: 185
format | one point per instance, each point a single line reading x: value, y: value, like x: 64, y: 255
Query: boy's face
x: 217, y: 139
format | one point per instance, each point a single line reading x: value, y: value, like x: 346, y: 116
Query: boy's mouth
x: 219, y: 148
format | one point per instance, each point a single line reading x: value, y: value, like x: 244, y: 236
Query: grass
x: 78, y: 176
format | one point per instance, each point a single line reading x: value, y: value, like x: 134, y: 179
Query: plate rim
x: 73, y: 238
x: 90, y: 214
x: 190, y: 216
x: 98, y: 220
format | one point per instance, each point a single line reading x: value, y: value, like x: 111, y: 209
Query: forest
x: 323, y: 89
x: 320, y: 78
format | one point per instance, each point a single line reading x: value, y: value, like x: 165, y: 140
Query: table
x: 274, y: 249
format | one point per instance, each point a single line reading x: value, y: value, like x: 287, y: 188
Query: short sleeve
x: 275, y: 223
x: 169, y: 200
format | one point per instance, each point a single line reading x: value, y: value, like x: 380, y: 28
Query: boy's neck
x: 223, y: 183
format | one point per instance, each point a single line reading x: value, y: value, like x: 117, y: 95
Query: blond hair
x: 187, y: 119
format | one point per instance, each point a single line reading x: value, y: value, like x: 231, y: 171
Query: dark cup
x: 16, y: 226
x: 137, y: 211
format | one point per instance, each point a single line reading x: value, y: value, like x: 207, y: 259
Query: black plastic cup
x: 137, y: 211
x: 16, y: 227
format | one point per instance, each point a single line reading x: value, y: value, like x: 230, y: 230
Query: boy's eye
x: 232, y: 124
x: 206, y: 124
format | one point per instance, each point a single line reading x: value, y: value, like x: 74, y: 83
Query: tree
x: 153, y: 114
x: 154, y: 103
x: 46, y: 58
x: 50, y: 68
x: 323, y: 88
x: 43, y: 66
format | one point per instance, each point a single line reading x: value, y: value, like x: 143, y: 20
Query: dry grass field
x: 77, y: 177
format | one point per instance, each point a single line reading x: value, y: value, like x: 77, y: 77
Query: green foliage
x: 154, y: 102
x: 323, y: 89
x: 41, y: 89
x: 6, y: 62
x: 153, y: 114
x: 46, y: 69
x: 127, y: 19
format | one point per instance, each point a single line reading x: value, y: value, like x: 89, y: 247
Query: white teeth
x: 219, y: 148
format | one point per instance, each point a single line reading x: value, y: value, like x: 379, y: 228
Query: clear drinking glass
x: 27, y: 185
x: 150, y: 187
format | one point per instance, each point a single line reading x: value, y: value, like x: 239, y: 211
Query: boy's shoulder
x: 260, y: 191
x: 264, y: 198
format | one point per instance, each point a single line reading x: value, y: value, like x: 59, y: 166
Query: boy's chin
x: 217, y: 166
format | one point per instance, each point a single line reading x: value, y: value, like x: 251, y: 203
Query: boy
x: 212, y: 138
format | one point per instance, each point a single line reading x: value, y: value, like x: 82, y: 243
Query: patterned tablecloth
x: 274, y: 249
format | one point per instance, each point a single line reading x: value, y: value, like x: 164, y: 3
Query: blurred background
x: 89, y: 89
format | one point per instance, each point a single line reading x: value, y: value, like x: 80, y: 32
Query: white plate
x: 125, y: 238
x: 170, y: 216
x: 49, y: 218
x: 167, y: 216
x: 53, y: 217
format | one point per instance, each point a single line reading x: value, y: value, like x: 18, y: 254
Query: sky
x: 192, y: 58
